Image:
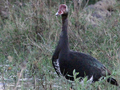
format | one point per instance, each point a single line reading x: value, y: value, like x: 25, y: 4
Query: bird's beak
x: 59, y: 13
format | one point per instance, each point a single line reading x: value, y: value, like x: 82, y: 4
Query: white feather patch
x: 57, y: 66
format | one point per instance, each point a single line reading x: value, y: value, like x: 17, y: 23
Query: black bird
x: 65, y: 61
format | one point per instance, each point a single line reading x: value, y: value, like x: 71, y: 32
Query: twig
x: 20, y: 75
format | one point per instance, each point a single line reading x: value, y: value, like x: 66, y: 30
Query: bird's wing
x: 100, y: 66
x: 55, y: 60
x: 90, y: 61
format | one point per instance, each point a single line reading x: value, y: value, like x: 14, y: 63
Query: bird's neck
x: 64, y: 37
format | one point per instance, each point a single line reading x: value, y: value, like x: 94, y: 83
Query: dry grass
x: 30, y: 35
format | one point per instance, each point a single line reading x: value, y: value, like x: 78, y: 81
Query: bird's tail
x: 112, y: 81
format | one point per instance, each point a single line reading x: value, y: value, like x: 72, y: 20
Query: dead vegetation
x: 31, y: 31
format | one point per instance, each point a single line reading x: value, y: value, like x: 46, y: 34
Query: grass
x: 28, y: 39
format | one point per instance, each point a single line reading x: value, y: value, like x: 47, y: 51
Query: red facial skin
x: 61, y: 9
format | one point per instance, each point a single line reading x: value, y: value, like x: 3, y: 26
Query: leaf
x: 10, y: 58
x: 9, y: 68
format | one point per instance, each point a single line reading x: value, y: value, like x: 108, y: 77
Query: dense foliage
x: 29, y: 33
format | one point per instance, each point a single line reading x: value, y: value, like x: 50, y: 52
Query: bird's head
x: 63, y: 9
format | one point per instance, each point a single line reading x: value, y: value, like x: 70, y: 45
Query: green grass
x: 28, y: 39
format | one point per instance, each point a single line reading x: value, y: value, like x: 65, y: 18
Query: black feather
x: 82, y: 63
